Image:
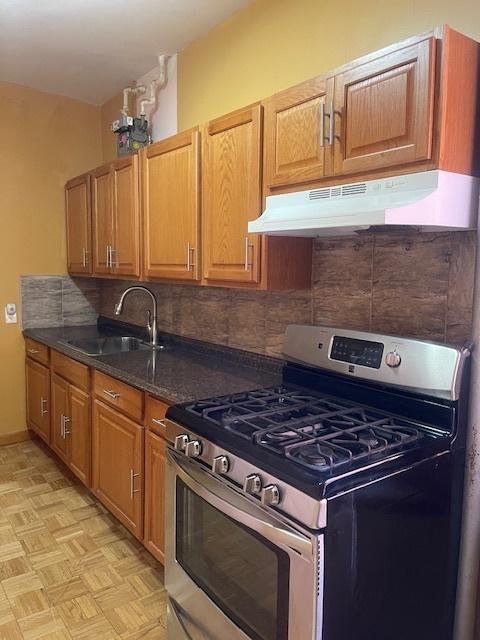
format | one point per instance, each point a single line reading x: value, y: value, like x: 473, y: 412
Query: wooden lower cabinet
x: 118, y: 464
x: 38, y: 398
x: 71, y: 434
x: 154, y: 537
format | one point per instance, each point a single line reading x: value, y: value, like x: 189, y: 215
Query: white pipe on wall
x: 140, y: 89
x: 466, y: 611
x: 156, y: 84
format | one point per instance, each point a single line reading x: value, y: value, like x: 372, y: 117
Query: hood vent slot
x: 347, y: 190
x: 354, y: 189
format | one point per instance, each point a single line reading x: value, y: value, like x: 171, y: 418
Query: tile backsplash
x: 406, y: 283
x: 57, y: 301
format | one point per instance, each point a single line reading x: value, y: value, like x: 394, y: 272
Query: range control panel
x: 354, y: 351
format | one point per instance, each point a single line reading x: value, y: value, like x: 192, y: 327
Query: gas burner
x: 315, y: 431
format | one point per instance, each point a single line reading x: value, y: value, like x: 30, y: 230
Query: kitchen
x: 240, y: 321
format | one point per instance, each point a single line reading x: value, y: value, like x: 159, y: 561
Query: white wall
x: 164, y: 118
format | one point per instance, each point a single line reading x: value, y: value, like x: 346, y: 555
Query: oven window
x: 244, y: 574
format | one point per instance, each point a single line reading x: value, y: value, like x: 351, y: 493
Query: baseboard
x: 15, y: 436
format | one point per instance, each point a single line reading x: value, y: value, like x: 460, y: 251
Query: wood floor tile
x: 68, y: 569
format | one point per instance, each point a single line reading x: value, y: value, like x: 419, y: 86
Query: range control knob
x: 180, y: 442
x: 393, y: 359
x: 220, y: 465
x: 193, y: 449
x: 270, y: 495
x: 252, y: 484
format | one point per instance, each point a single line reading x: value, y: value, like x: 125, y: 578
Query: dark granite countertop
x: 184, y: 370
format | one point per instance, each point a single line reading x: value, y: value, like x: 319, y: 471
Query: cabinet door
x: 102, y: 219
x: 61, y: 420
x: 386, y: 110
x: 296, y: 136
x: 154, y: 537
x: 231, y: 172
x: 78, y: 222
x: 126, y: 215
x: 80, y: 435
x: 38, y: 398
x: 117, y: 465
x: 171, y: 207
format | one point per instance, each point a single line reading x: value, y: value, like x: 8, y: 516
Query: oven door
x: 233, y: 568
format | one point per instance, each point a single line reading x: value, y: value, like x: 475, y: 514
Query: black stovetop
x: 319, y: 432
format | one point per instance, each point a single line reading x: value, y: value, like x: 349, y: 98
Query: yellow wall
x: 110, y: 111
x: 273, y: 44
x: 46, y: 140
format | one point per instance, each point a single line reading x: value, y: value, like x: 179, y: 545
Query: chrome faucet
x: 152, y: 317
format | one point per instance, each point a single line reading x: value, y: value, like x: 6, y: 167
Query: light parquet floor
x: 68, y: 569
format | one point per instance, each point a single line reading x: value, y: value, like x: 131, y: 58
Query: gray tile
x: 80, y: 299
x: 41, y: 301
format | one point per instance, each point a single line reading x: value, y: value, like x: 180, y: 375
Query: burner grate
x: 318, y: 432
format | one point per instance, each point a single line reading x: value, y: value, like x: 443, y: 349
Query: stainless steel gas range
x: 328, y: 508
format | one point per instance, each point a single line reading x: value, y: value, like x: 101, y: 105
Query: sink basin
x: 110, y: 344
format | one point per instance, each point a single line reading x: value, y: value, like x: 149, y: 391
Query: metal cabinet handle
x: 190, y: 250
x: 322, y: 123
x: 248, y: 246
x: 108, y: 256
x: 111, y: 394
x: 332, y: 124
x: 33, y: 351
x: 133, y: 475
x: 66, y: 431
x: 161, y: 423
x: 85, y: 259
x: 43, y: 406
x: 112, y: 251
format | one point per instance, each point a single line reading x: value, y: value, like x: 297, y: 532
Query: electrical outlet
x: 11, y: 313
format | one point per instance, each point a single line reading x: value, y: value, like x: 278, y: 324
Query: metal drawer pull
x: 43, y: 407
x: 111, y: 394
x: 133, y: 475
x: 322, y: 123
x: 248, y: 246
x: 332, y: 123
x: 33, y: 351
x: 66, y: 431
x: 108, y: 256
x: 85, y: 254
x: 161, y: 423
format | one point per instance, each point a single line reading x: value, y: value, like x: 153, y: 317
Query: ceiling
x: 90, y: 50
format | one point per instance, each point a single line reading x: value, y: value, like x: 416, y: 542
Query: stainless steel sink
x: 108, y: 345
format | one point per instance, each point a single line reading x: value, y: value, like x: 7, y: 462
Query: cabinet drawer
x: 37, y: 351
x: 119, y: 395
x: 71, y: 370
x: 155, y: 411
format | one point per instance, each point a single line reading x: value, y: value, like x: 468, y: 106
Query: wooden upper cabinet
x: 231, y: 174
x: 126, y: 217
x: 384, y: 110
x: 116, y: 218
x: 79, y: 226
x: 102, y: 218
x: 38, y: 398
x: 171, y: 207
x: 296, y: 144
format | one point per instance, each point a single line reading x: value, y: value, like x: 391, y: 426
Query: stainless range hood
x: 430, y: 200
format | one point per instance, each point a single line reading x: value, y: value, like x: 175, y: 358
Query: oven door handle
x: 238, y: 507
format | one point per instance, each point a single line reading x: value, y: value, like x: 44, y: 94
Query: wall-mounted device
x: 11, y: 313
x: 133, y: 132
